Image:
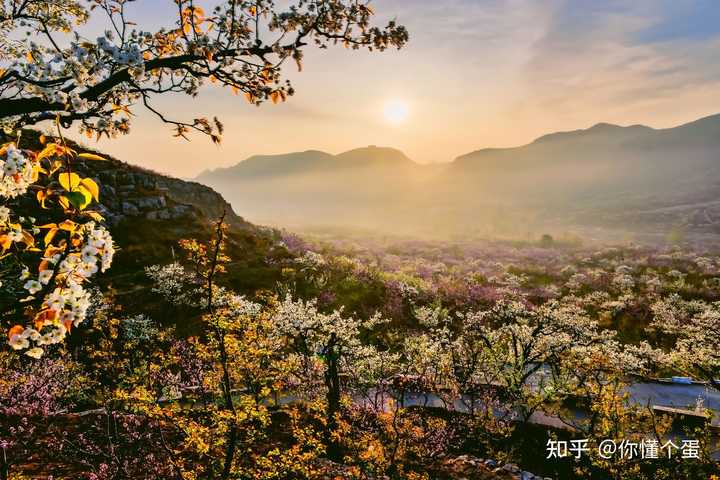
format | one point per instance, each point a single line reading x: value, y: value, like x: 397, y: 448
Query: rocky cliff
x: 131, y: 192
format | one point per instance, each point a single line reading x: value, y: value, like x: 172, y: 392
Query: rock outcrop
x: 128, y: 191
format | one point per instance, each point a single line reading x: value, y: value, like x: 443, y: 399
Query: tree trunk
x: 332, y: 383
x: 4, y: 466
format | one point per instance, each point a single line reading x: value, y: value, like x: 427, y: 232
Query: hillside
x: 635, y: 180
x: 148, y: 213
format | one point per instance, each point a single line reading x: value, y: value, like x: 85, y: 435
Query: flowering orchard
x: 362, y: 359
x: 278, y: 386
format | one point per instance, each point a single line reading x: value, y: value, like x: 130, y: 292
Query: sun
x: 396, y: 112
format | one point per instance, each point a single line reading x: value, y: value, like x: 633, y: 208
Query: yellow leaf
x: 92, y: 188
x: 95, y: 216
x: 29, y: 57
x: 35, y: 173
x: 50, y: 235
x: 53, y: 149
x: 56, y: 165
x: 80, y: 198
x: 275, y: 96
x: 64, y: 202
x: 87, y: 197
x: 49, y: 150
x: 69, y: 181
x: 91, y: 156
x: 28, y: 239
x: 68, y: 225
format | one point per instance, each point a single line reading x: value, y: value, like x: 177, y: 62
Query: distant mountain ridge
x: 308, y: 161
x: 633, y: 178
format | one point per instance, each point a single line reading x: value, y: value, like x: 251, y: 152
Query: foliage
x: 46, y: 275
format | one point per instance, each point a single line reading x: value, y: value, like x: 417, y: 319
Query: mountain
x: 625, y: 178
x: 289, y: 189
x: 308, y: 162
x: 274, y: 165
x: 629, y: 181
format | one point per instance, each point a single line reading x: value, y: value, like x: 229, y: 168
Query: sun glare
x: 396, y: 112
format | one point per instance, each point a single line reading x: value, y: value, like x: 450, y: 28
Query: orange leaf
x: 16, y: 330
x: 5, y: 242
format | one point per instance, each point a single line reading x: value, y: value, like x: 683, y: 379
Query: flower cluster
x: 67, y: 305
x: 17, y: 172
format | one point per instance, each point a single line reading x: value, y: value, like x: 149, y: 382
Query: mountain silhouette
x: 633, y: 179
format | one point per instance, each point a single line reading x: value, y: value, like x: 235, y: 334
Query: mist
x: 604, y: 182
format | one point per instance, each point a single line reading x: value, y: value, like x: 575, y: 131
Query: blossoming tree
x: 51, y: 69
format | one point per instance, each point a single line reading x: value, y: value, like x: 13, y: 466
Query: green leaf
x: 79, y: 199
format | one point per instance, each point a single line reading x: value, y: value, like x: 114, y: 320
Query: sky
x: 475, y: 74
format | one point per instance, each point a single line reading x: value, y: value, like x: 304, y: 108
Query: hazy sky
x: 476, y: 73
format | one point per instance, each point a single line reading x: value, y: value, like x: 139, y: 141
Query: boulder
x: 150, y: 203
x: 130, y: 209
